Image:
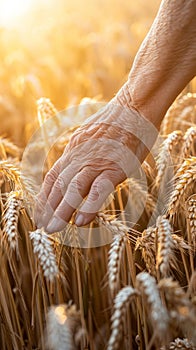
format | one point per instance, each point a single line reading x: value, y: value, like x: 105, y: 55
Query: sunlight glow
x: 12, y: 10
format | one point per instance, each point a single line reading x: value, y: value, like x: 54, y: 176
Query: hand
x: 102, y: 153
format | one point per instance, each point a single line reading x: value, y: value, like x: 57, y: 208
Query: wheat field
x: 138, y: 289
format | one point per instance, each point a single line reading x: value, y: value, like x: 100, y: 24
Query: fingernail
x: 79, y: 220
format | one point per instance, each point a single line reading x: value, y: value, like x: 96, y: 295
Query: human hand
x: 102, y: 153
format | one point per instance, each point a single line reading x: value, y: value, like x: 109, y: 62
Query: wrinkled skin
x: 109, y: 146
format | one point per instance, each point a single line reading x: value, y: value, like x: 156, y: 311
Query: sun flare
x: 12, y: 10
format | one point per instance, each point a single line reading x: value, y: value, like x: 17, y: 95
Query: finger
x: 76, y: 192
x: 57, y: 193
x: 49, y: 180
x: 103, y: 185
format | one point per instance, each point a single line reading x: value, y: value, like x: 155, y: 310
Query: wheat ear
x: 60, y: 327
x: 189, y: 138
x: 181, y: 344
x: 165, y: 152
x: 10, y: 148
x: 183, y: 108
x: 146, y: 243
x: 191, y: 218
x: 140, y: 198
x: 46, y: 110
x: 146, y: 285
x: 165, y: 255
x: 121, y: 302
x: 119, y: 232
x: 183, y: 179
x: 10, y: 219
x: 10, y: 171
x: 180, y: 308
x: 42, y: 246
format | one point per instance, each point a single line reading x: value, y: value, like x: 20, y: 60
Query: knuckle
x: 80, y: 182
x: 75, y: 139
x: 60, y: 183
x: 51, y: 176
x: 75, y: 186
x: 87, y: 174
x: 94, y: 193
x: 103, y: 186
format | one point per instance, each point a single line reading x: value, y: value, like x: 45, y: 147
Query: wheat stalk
x: 43, y: 248
x: 121, y: 302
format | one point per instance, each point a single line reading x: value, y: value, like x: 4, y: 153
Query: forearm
x: 165, y: 63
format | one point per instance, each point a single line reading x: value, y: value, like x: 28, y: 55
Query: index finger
x: 46, y: 188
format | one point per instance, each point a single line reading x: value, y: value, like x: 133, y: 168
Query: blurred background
x: 64, y: 50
